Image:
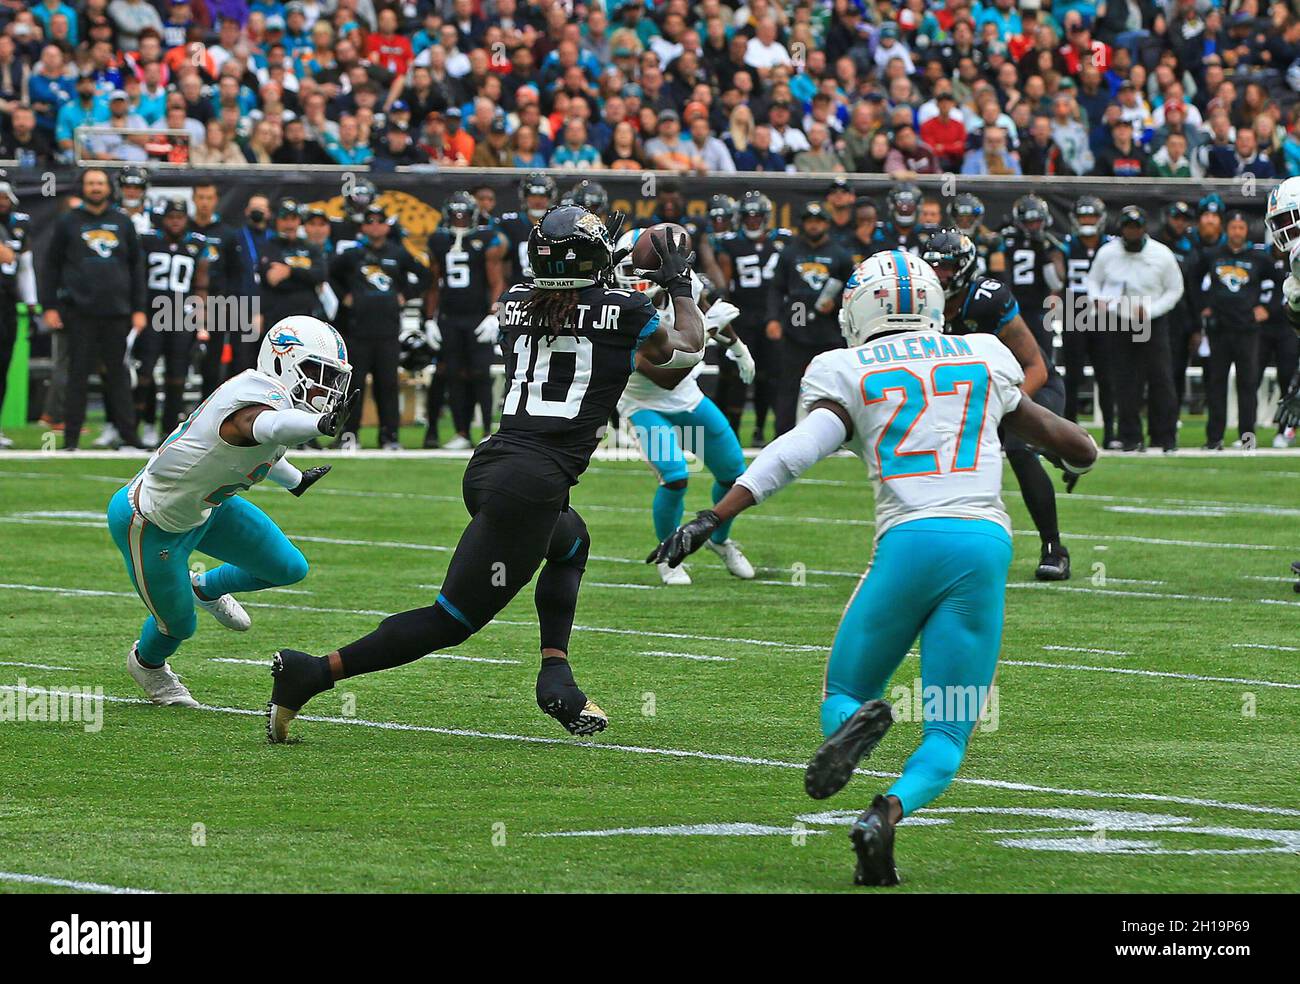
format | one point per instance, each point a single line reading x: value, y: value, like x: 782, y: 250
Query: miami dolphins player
x: 1283, y: 220
x: 922, y: 410
x: 187, y: 497
x: 660, y: 409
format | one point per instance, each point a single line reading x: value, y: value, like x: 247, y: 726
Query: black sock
x: 558, y: 694
x: 556, y: 597
x: 1039, y: 496
x: 403, y: 638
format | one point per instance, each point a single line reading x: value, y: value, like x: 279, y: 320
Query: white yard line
x: 678, y: 753
x: 1260, y: 645
x: 701, y: 659
x: 77, y: 886
x: 1080, y: 649
x: 36, y: 666
x: 1128, y: 671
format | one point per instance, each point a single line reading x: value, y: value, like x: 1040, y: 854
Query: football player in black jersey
x: 571, y: 343
x: 1030, y: 249
x: 537, y: 193
x: 670, y: 206
x: 724, y: 218
x: 747, y: 258
x: 223, y: 282
x: 841, y: 202
x: 176, y: 282
x: 803, y: 313
x: 346, y: 231
x: 466, y: 261
x: 986, y: 304
x: 901, y: 231
x: 1079, y: 345
x: 967, y: 215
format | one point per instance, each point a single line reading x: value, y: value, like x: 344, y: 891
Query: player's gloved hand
x: 739, y: 354
x: 675, y: 259
x: 1295, y: 260
x: 332, y: 422
x: 686, y: 539
x: 719, y: 315
x: 488, y: 330
x: 432, y: 332
x: 1288, y: 411
x: 309, y: 478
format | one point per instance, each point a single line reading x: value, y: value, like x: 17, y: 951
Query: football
x: 644, y: 256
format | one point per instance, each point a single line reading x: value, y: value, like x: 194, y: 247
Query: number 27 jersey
x: 925, y: 409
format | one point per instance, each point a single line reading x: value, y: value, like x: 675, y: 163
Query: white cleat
x: 5, y: 443
x: 149, y: 436
x: 1284, y: 438
x: 108, y: 437
x: 225, y: 609
x: 161, y: 685
x: 737, y: 563
x: 458, y: 443
x: 673, y: 575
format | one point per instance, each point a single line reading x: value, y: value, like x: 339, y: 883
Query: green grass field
x: 1145, y: 741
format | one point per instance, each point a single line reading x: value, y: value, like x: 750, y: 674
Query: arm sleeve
x: 135, y: 259
x: 818, y: 436
x: 286, y: 427
x: 1171, y: 282
x: 54, y: 257
x: 1095, y: 276
x: 283, y: 473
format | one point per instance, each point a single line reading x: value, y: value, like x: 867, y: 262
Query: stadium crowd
x: 1183, y: 88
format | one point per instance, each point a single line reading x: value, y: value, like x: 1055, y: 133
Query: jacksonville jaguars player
x: 661, y: 410
x: 967, y: 214
x: 176, y: 286
x: 466, y: 259
x: 571, y: 343
x: 1078, y: 345
x: 922, y: 409
x: 186, y: 498
x: 986, y: 304
x: 537, y: 193
x: 747, y: 258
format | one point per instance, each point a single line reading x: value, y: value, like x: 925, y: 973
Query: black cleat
x: 1295, y: 569
x: 833, y: 764
x: 1054, y: 564
x: 298, y: 678
x: 872, y: 835
x: 561, y: 697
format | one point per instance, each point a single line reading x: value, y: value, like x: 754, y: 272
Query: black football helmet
x: 590, y: 195
x: 569, y: 248
x: 416, y: 352
x: 132, y: 185
x: 362, y: 195
x: 952, y: 254
x: 537, y: 184
x: 1089, y: 216
x: 1031, y: 216
x: 723, y: 213
x: 966, y: 211
x: 755, y: 213
x: 462, y: 212
x: 904, y: 203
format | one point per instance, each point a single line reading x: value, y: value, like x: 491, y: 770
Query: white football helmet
x: 1282, y: 217
x: 624, y: 274
x: 890, y: 291
x: 310, y: 359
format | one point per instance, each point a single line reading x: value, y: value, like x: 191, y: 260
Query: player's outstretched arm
x: 1017, y: 337
x: 817, y: 436
x: 261, y: 424
x: 1044, y: 429
x: 674, y: 352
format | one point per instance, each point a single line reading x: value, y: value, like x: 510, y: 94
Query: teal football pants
x: 944, y: 580
x: 257, y: 555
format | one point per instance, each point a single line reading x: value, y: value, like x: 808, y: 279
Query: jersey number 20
x: 969, y: 380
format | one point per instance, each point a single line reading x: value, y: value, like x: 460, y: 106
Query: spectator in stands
x: 575, y: 153
x: 217, y: 148
x: 130, y: 17
x: 262, y: 144
x: 909, y: 156
x: 669, y: 149
x: 123, y: 146
x: 347, y: 148
x: 712, y: 152
x: 944, y: 132
x: 1243, y: 157
x: 525, y: 150
x: 992, y: 156
x: 297, y: 149
x: 1122, y: 157
x: 1172, y: 160
x: 24, y: 142
x: 494, y: 150
x: 821, y: 155
x: 1040, y: 154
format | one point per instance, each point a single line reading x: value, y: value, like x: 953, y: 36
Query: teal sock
x: 929, y: 771
x: 154, y: 647
x: 229, y: 579
x: 723, y: 532
x: 669, y: 505
x: 836, y: 709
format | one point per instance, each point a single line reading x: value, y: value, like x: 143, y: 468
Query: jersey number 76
x: 912, y: 398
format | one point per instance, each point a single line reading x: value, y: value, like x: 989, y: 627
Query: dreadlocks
x: 552, y: 312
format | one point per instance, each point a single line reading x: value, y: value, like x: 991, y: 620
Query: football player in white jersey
x: 921, y: 409
x: 186, y: 498
x: 661, y: 411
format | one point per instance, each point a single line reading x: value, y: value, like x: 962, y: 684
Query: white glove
x: 488, y: 330
x: 719, y: 315
x: 1295, y: 260
x: 432, y: 332
x: 1291, y: 291
x: 739, y: 354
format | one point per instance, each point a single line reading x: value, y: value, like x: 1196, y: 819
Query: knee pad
x: 575, y: 554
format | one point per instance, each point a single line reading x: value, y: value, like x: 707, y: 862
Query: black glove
x: 686, y: 539
x: 310, y: 477
x: 675, y: 259
x: 333, y: 421
x: 1288, y: 411
x: 1068, y: 475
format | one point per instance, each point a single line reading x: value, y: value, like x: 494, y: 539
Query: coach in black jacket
x: 223, y: 281
x: 291, y: 270
x: 93, y: 284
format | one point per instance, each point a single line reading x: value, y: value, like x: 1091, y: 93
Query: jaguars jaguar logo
x: 298, y: 262
x: 376, y: 278
x: 102, y: 242
x: 1232, y: 276
x: 417, y: 220
x: 814, y: 273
